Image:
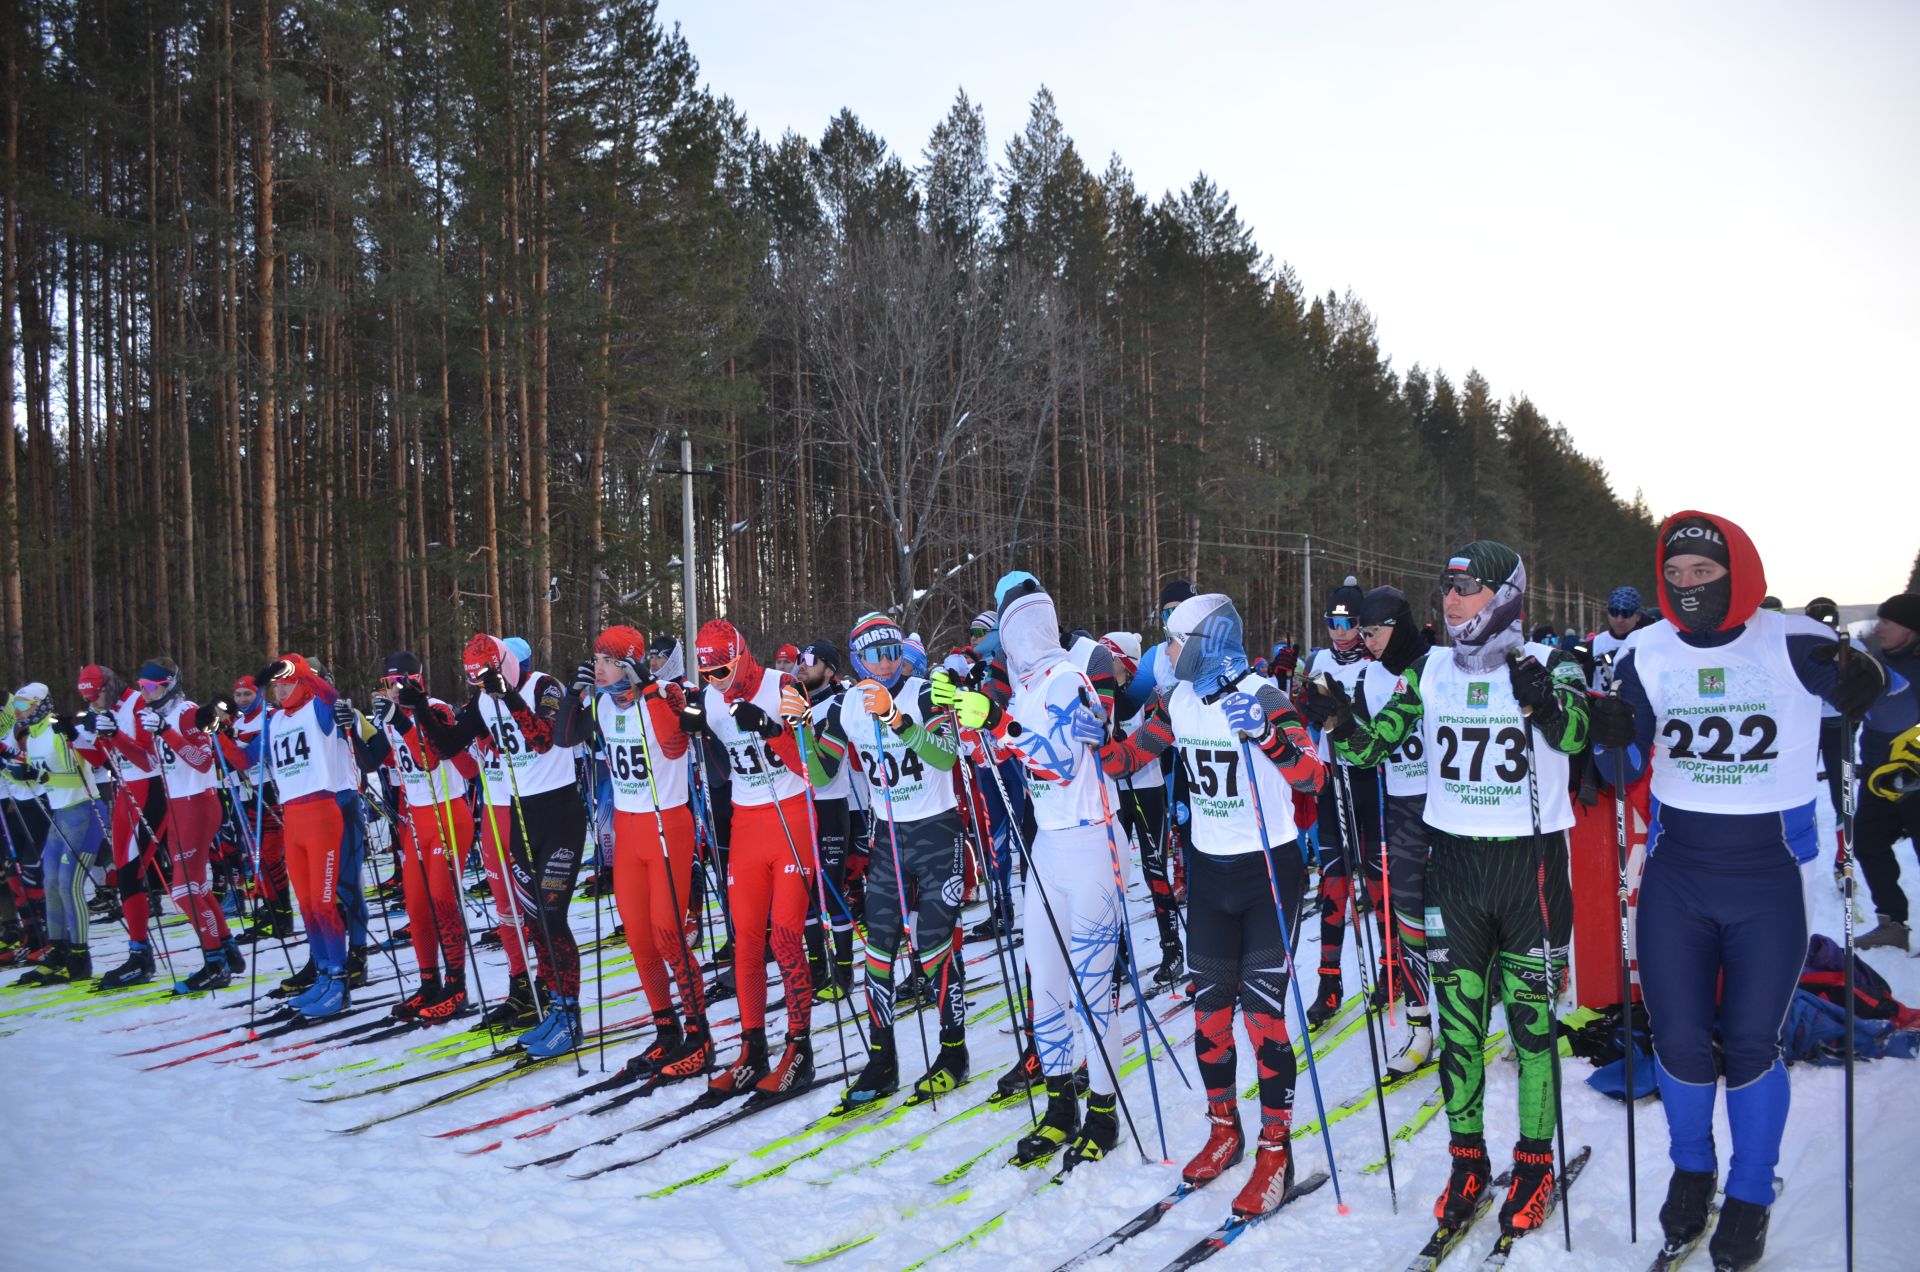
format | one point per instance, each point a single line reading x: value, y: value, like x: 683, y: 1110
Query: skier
x: 174, y: 728
x: 1051, y: 726
x: 1347, y: 825
x: 1238, y: 947
x: 64, y: 789
x: 1880, y: 822
x: 1723, y: 697
x: 746, y: 709
x: 1623, y: 620
x: 437, y: 824
x: 886, y: 726
x: 636, y: 719
x: 817, y: 669
x: 260, y: 809
x: 1387, y: 628
x: 535, y: 834
x: 1143, y: 814
x: 1468, y: 703
x: 139, y: 806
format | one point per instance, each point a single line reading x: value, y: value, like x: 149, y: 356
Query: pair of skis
x: 1447, y: 1238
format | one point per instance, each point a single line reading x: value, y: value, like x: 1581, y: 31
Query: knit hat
x: 1903, y: 609
x: 1624, y: 601
x: 789, y: 651
x: 621, y: 642
x: 1344, y: 601
x: 820, y: 651
x: 1175, y: 592
x: 1483, y: 559
x: 1697, y: 536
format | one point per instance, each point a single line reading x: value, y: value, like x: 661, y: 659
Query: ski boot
x: 272, y: 922
x: 1530, y: 1195
x: 838, y: 986
x: 1226, y: 1144
x: 1054, y: 1129
x: 722, y: 957
x: 1472, y: 1175
x: 1326, y: 1001
x: 79, y: 965
x: 1740, y: 1238
x: 666, y: 1039
x: 516, y: 1010
x: 1099, y: 1132
x: 51, y: 971
x: 988, y: 930
x: 356, y: 970
x: 790, y: 1077
x: 137, y: 970
x: 212, y: 975
x: 230, y: 949
x: 1414, y: 1051
x: 298, y: 983
x: 880, y: 1078
x: 950, y: 1069
x: 558, y: 1033
x: 915, y: 992
x: 328, y: 998
x: 1683, y: 1216
x: 490, y: 939
x: 691, y: 1058
x: 1272, y: 1174
x: 1172, y: 967
x: 1024, y: 1075
x: 747, y: 1070
x: 449, y: 1002
x: 408, y: 1008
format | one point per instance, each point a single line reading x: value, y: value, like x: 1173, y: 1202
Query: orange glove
x: 880, y: 703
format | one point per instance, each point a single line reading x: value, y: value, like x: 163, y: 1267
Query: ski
x: 614, y: 1032
x: 707, y: 1128
x: 1503, y: 1247
x: 1448, y: 1236
x: 1133, y: 1227
x: 1672, y: 1256
x: 1232, y: 1230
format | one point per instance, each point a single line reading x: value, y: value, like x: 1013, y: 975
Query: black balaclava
x: 1389, y: 605
x: 1703, y: 607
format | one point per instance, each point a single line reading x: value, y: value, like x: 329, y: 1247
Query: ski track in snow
x: 210, y: 1163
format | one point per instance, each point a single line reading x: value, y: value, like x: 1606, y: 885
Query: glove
x: 105, y: 724
x: 491, y: 681
x: 1084, y: 724
x: 382, y: 711
x: 21, y: 771
x: 67, y: 727
x: 880, y: 704
x: 1245, y: 715
x: 413, y: 697
x: 1611, y: 721
x: 694, y: 718
x: 638, y: 674
x: 1284, y: 662
x: 1860, y: 682
x: 749, y: 718
x: 583, y: 681
x: 1181, y: 813
x: 204, y: 716
x: 1532, y: 682
x: 273, y: 671
x: 974, y: 709
x: 343, y: 713
x: 150, y: 720
x: 946, y: 689
x: 793, y: 706
x: 1325, y: 700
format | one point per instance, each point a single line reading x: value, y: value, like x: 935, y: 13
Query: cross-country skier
x: 1725, y: 698
x: 61, y: 782
x: 817, y: 670
x: 1624, y: 618
x: 1143, y: 814
x: 1236, y: 949
x: 138, y: 809
x: 1470, y: 705
x: 886, y: 725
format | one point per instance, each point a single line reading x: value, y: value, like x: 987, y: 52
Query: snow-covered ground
x: 215, y: 1163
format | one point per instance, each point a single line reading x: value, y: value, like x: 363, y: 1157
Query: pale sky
x: 1690, y: 232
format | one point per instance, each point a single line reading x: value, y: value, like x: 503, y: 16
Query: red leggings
x: 133, y: 848
x: 511, y: 904
x: 434, y: 918
x: 656, y: 926
x: 763, y: 883
x: 313, y: 829
x: 192, y: 823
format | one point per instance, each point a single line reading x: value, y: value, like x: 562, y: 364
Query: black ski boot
x: 950, y: 1070
x: 1740, y: 1238
x: 212, y: 975
x: 298, y: 983
x: 79, y: 965
x: 1024, y: 1075
x: 516, y: 1010
x: 1530, y: 1194
x: 1326, y: 1002
x: 1098, y: 1133
x: 445, y: 1005
x: 1173, y: 964
x: 1683, y: 1216
x: 409, y: 1007
x: 356, y: 975
x: 52, y: 969
x: 137, y: 970
x: 666, y: 1039
x: 747, y: 1069
x: 881, y: 1077
x: 1472, y: 1176
x: 230, y: 949
x: 1055, y: 1128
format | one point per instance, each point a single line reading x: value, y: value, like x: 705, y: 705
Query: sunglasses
x: 716, y: 673
x: 1377, y: 630
x: 1626, y: 613
x: 154, y: 686
x: 887, y: 651
x: 1463, y: 584
x: 1340, y: 623
x: 978, y: 633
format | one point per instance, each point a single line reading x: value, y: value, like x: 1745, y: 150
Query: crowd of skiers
x: 852, y: 788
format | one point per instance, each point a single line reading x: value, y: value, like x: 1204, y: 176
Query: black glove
x: 343, y: 713
x: 752, y: 719
x: 1610, y: 721
x: 583, y: 681
x: 1860, y: 681
x: 67, y: 727
x: 105, y: 724
x: 412, y: 696
x: 491, y: 681
x: 1532, y: 682
x: 1325, y: 700
x: 382, y: 710
x: 271, y: 672
x: 204, y: 715
x: 694, y: 718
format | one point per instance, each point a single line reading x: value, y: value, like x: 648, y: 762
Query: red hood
x: 305, y: 683
x: 720, y: 643
x: 1743, y: 565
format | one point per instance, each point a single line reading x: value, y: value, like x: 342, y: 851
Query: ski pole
x: 247, y: 844
x: 1626, y: 981
x: 1293, y: 976
x: 599, y: 940
x: 137, y: 860
x: 1389, y: 928
x: 438, y: 789
x: 1516, y: 657
x: 826, y: 924
x: 1848, y: 804
x: 881, y: 761
x: 1356, y: 854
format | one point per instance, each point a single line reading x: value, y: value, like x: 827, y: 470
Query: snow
x: 212, y: 1162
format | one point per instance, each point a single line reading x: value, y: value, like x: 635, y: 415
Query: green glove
x: 945, y: 689
x: 972, y: 709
